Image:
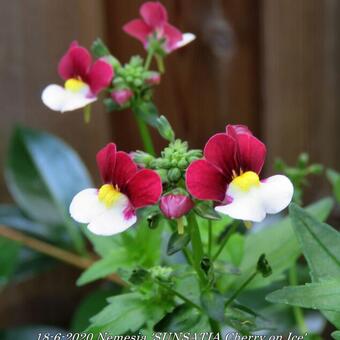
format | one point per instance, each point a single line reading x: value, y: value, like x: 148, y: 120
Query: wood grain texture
x: 208, y: 83
x: 301, y: 79
x: 33, y: 37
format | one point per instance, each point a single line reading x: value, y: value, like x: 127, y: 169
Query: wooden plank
x: 301, y: 64
x: 34, y: 35
x: 207, y: 84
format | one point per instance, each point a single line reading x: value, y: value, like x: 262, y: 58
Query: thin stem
x: 180, y: 226
x: 298, y: 314
x: 160, y: 64
x: 231, y: 230
x: 145, y: 135
x: 236, y: 294
x: 148, y: 59
x: 182, y: 297
x: 87, y: 114
x: 52, y: 251
x: 209, y: 238
x: 197, y: 247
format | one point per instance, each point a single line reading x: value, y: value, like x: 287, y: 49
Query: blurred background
x: 273, y: 65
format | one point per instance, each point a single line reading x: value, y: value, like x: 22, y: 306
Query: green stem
x: 236, y: 294
x: 148, y: 60
x: 298, y: 314
x: 197, y: 247
x: 209, y: 238
x: 87, y: 114
x: 182, y: 297
x: 145, y: 135
x: 231, y: 230
x: 160, y: 64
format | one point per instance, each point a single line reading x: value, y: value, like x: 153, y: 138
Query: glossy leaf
x: 320, y: 246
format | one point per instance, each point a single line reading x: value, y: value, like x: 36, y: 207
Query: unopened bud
x: 174, y: 174
x: 153, y: 78
x: 174, y: 206
x: 122, y: 96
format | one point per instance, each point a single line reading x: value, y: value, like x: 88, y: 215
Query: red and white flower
x: 83, y: 80
x: 229, y: 175
x: 154, y: 22
x: 112, y: 209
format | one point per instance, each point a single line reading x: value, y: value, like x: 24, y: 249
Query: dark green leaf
x: 320, y: 246
x: 213, y: 304
x: 324, y: 295
x: 206, y: 210
x: 9, y: 255
x: 177, y: 242
x: 43, y: 174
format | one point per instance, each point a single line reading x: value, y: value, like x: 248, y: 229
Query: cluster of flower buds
x: 131, y: 79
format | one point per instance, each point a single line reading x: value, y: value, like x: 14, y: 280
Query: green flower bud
x: 174, y: 174
x: 137, y: 82
x: 183, y: 164
x: 142, y: 158
x: 163, y: 175
x: 164, y: 128
x: 161, y: 273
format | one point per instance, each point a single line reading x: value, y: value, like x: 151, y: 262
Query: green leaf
x: 177, y: 242
x: 213, y: 304
x: 334, y: 177
x: 324, y: 295
x: 126, y: 313
x: 279, y: 243
x: 89, y: 306
x: 43, y: 174
x: 9, y: 256
x: 320, y: 246
x: 336, y: 335
x: 206, y: 210
x: 234, y: 249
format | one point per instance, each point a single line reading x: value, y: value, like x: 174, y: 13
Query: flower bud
x: 154, y: 78
x: 174, y: 174
x: 122, y: 96
x: 142, y: 158
x: 175, y: 206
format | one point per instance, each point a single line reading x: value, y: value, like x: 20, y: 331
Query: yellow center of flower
x: 246, y: 180
x: 108, y: 194
x: 74, y: 85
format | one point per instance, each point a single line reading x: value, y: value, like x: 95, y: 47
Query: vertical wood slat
x: 34, y: 35
x: 207, y: 84
x: 301, y: 81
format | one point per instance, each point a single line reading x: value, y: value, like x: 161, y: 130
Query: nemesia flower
x: 155, y: 22
x: 229, y: 175
x: 121, y: 96
x: 83, y: 80
x: 112, y: 208
x: 174, y: 206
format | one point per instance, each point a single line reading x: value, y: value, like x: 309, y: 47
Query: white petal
x: 57, y: 98
x: 85, y: 206
x: 276, y: 193
x: 186, y: 39
x: 246, y: 206
x: 113, y: 220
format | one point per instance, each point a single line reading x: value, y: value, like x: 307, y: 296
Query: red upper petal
x: 75, y: 63
x: 138, y: 29
x: 106, y: 161
x: 100, y: 76
x: 251, y: 153
x: 154, y: 14
x: 173, y: 35
x: 234, y: 130
x: 204, y: 181
x: 125, y: 168
x: 144, y: 188
x: 220, y: 150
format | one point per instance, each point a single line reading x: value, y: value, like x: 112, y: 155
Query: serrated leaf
x: 324, y: 295
x: 279, y: 243
x: 177, y: 242
x: 320, y: 246
x: 43, y: 174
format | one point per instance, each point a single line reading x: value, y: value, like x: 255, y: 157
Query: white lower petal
x: 57, y: 98
x: 85, y: 206
x: 244, y: 206
x: 113, y: 220
x: 186, y: 39
x: 276, y: 193
x: 269, y: 197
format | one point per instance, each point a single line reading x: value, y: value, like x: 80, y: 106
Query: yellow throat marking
x: 109, y: 195
x: 74, y: 85
x: 246, y: 180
